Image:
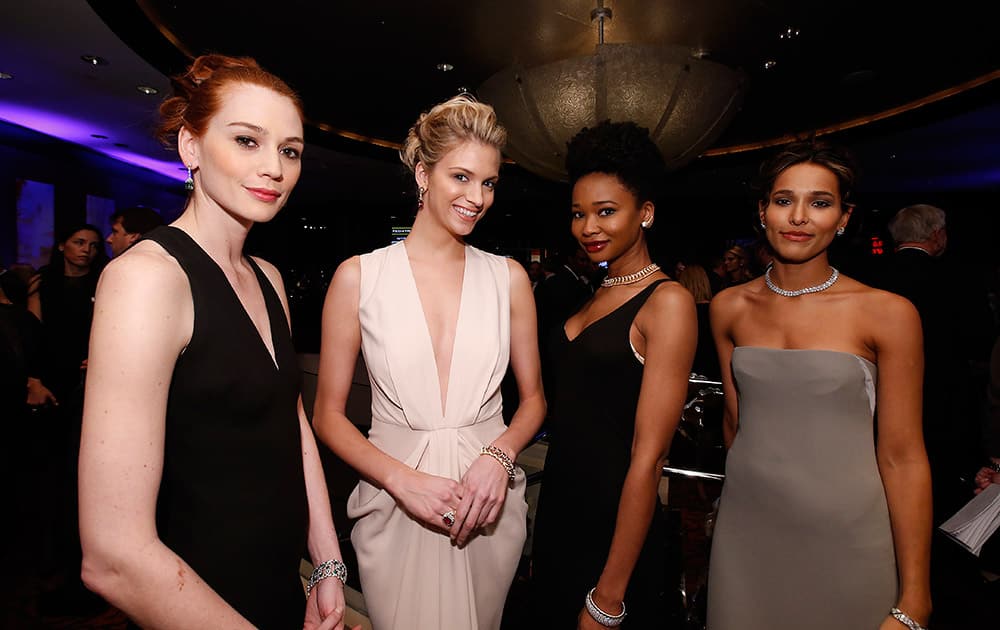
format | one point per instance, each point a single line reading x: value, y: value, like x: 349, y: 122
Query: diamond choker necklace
x: 614, y: 281
x: 834, y: 274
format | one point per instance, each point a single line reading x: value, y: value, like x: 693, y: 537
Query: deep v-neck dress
x: 413, y: 578
x: 597, y: 378
x: 232, y: 500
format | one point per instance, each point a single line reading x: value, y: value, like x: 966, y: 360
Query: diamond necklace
x: 614, y: 281
x: 834, y: 274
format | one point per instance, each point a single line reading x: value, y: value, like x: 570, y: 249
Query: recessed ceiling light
x: 445, y: 67
x: 94, y: 60
x: 789, y: 33
x: 99, y: 136
x: 4, y: 75
x: 770, y: 64
x: 121, y: 145
x: 145, y: 89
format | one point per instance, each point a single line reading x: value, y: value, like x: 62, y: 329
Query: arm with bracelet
x: 485, y: 482
x: 667, y: 325
x: 324, y: 548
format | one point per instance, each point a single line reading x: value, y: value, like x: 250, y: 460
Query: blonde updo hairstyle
x: 198, y: 93
x: 448, y: 124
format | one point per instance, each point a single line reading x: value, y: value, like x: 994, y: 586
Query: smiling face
x: 607, y: 217
x: 249, y: 158
x: 803, y: 212
x: 460, y: 187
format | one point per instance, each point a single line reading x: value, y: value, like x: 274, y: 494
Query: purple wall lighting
x: 35, y: 222
x: 78, y: 131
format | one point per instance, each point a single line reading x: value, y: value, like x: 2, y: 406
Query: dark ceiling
x: 925, y: 83
x: 369, y: 68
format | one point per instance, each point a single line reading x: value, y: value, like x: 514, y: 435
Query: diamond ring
x: 449, y: 518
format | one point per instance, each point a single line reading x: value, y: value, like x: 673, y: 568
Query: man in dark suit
x: 953, y: 337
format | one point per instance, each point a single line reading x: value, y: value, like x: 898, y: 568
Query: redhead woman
x: 822, y: 523
x: 200, y: 483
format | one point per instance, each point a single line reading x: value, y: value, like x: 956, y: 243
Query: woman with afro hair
x: 620, y: 366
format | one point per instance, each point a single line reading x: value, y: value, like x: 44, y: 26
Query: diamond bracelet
x: 330, y: 568
x: 497, y: 453
x: 600, y: 616
x: 905, y: 619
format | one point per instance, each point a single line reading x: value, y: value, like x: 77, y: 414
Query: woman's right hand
x: 985, y: 477
x: 427, y: 498
x: 39, y: 395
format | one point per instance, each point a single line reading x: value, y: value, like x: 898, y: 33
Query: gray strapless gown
x: 803, y: 538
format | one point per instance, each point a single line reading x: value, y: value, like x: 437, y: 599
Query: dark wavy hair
x: 837, y: 159
x: 622, y: 149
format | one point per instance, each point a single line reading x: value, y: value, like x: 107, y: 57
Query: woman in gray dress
x: 820, y: 526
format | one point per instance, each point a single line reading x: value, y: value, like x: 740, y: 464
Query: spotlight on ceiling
x: 4, y: 76
x: 684, y: 100
x: 147, y: 90
x: 94, y: 60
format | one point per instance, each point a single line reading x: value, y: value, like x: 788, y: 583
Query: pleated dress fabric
x: 414, y: 578
x: 803, y: 538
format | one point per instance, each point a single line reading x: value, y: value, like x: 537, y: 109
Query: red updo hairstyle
x: 198, y: 93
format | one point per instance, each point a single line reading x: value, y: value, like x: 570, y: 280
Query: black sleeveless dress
x: 232, y: 501
x: 597, y: 378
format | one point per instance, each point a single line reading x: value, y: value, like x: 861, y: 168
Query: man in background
x: 128, y: 225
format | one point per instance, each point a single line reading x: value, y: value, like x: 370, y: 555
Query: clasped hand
x: 484, y: 488
x: 326, y: 606
x: 476, y: 500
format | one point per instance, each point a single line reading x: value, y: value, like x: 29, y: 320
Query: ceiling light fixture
x: 445, y: 67
x: 4, y: 76
x: 99, y: 136
x: 94, y: 60
x: 147, y: 90
x: 684, y: 100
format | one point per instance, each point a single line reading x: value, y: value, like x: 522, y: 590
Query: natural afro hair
x: 622, y: 149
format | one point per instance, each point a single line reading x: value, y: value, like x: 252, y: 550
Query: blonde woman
x: 440, y: 508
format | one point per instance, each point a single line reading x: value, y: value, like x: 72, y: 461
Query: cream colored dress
x: 414, y: 578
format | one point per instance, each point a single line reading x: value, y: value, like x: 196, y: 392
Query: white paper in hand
x: 972, y: 526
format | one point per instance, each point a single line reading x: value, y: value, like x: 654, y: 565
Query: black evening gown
x: 597, y: 378
x: 232, y: 500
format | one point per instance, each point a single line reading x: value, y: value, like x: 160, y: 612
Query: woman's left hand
x: 325, y: 607
x: 485, y: 488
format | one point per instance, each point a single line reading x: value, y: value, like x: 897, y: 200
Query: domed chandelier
x: 683, y: 99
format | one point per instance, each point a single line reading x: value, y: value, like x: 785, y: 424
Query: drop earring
x: 840, y: 231
x: 763, y: 225
x: 420, y: 196
x: 645, y: 224
x: 189, y: 182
